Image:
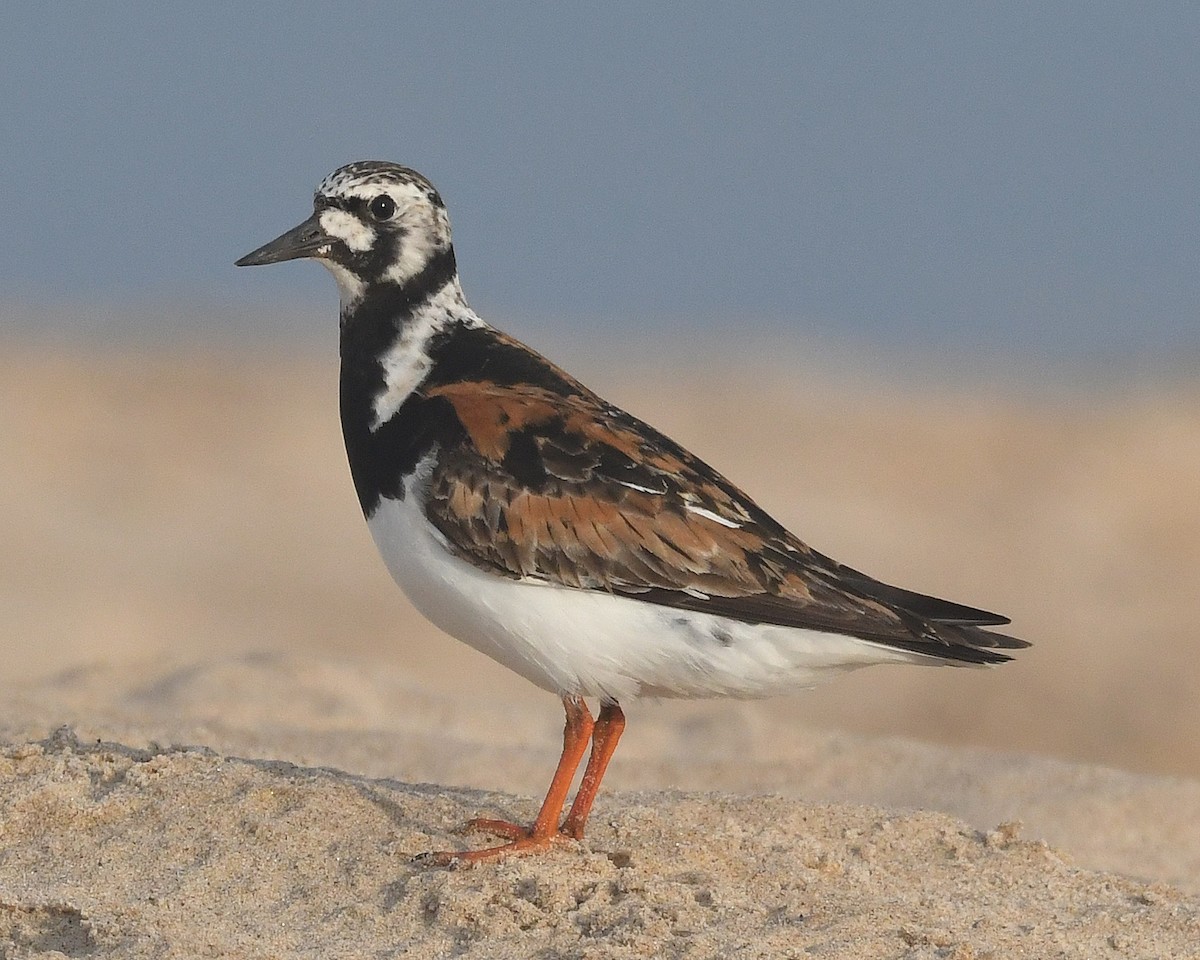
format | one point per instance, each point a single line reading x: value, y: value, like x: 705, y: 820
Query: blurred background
x: 922, y: 278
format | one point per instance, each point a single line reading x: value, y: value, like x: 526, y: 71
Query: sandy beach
x: 223, y: 732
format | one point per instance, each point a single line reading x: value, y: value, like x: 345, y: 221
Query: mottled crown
x: 354, y: 178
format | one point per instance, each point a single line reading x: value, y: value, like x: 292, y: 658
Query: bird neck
x: 388, y: 338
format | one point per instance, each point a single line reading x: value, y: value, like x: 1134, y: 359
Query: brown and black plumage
x: 567, y: 489
x: 558, y: 534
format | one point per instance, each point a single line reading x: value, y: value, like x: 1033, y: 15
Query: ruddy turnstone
x: 558, y: 534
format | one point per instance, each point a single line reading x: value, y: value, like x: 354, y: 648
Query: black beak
x: 306, y: 240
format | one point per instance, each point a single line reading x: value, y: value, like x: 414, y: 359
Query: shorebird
x: 558, y: 534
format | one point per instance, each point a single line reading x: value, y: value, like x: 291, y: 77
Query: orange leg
x: 607, y: 732
x: 544, y: 832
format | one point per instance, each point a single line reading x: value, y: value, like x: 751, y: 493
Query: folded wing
x: 572, y: 491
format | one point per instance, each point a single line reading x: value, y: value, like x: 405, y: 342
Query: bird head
x: 373, y: 223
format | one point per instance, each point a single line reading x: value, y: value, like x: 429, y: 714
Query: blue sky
x: 1014, y: 177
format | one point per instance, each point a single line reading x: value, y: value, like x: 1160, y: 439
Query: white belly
x: 588, y: 643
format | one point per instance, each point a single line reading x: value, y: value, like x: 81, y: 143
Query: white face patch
x: 416, y: 232
x: 417, y: 250
x: 348, y: 228
x: 422, y: 223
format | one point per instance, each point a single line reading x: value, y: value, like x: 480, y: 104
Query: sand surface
x: 289, y: 823
x: 185, y: 853
x: 261, y: 735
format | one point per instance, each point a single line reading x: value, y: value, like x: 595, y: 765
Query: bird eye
x: 382, y: 207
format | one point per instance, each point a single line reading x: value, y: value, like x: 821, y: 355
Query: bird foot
x: 570, y: 829
x: 521, y: 842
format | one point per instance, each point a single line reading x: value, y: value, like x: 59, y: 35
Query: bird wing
x: 573, y: 491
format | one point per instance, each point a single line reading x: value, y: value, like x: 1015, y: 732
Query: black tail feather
x: 932, y: 609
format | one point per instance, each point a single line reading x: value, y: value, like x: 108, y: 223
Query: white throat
x: 350, y: 287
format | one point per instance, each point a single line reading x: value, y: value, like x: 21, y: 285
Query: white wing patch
x: 638, y: 487
x: 715, y: 517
